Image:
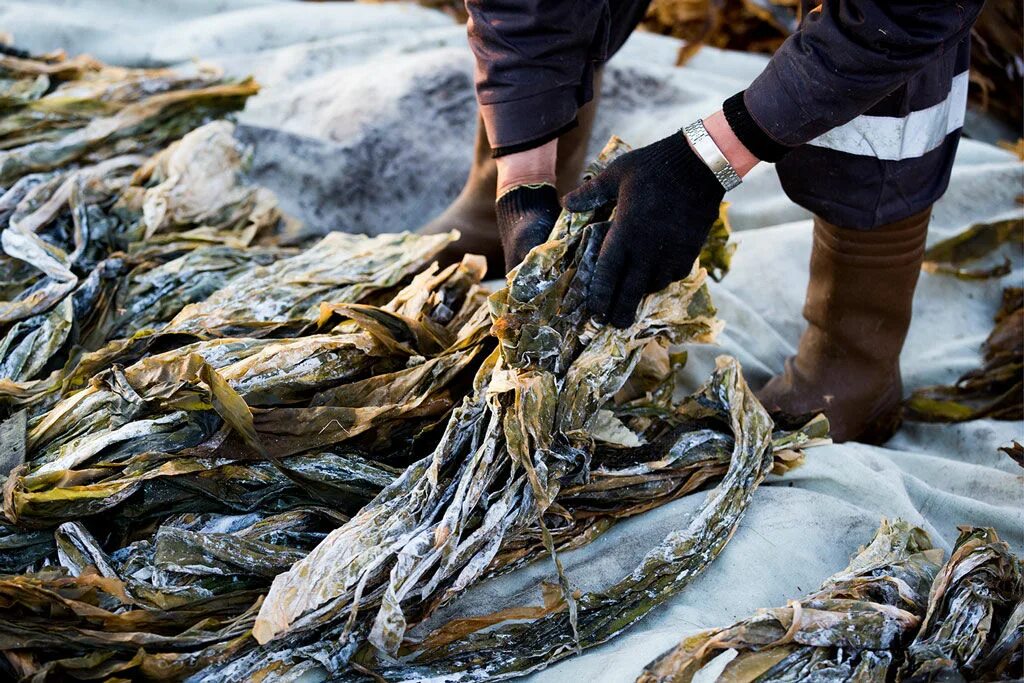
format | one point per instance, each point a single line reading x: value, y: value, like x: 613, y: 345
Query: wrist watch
x: 708, y: 151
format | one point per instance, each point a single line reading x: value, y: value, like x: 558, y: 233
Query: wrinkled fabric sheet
x: 366, y: 123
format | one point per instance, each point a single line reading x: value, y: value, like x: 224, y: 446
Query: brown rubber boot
x: 858, y: 311
x: 472, y: 212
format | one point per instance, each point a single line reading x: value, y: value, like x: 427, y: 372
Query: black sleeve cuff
x: 749, y: 133
x: 536, y: 142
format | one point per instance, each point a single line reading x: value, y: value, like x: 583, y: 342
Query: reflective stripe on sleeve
x: 896, y: 138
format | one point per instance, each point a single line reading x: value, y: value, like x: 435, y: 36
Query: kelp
x: 893, y: 615
x: 996, y: 389
x: 521, y: 431
x: 199, y: 524
x: 516, y: 649
x: 523, y: 436
x: 688, y: 454
x: 211, y: 401
x: 958, y: 255
x: 153, y: 293
x: 845, y: 631
x: 974, y: 627
x: 192, y: 413
x: 341, y: 268
x: 1015, y: 451
x: 137, y: 126
x: 108, y: 174
x: 87, y: 267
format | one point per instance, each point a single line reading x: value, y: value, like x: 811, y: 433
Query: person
x: 860, y: 109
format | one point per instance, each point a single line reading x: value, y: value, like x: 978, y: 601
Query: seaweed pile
x: 210, y: 441
x: 121, y: 202
x: 892, y: 614
x: 146, y: 311
x: 510, y: 480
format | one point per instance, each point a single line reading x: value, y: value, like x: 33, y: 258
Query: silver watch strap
x: 711, y: 155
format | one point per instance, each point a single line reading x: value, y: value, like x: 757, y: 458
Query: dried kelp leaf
x: 956, y: 255
x: 340, y: 268
x: 1016, y: 452
x: 153, y: 119
x: 842, y: 632
x: 995, y: 390
x: 716, y: 256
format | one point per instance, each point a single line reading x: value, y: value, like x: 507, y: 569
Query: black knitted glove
x: 526, y: 215
x: 666, y: 201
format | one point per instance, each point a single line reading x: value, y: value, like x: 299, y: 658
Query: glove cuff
x: 749, y: 133
x: 525, y: 200
x: 525, y: 215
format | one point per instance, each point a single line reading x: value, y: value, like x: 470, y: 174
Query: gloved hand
x: 526, y: 215
x: 666, y: 202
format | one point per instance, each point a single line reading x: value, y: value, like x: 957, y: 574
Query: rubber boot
x: 472, y: 212
x: 858, y: 311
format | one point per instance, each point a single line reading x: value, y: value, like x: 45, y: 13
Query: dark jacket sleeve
x: 848, y: 55
x: 533, y: 64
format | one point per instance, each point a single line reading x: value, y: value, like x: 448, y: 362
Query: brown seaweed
x: 845, y: 631
x: 996, y: 389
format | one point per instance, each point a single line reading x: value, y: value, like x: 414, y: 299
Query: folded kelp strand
x: 959, y: 255
x: 689, y: 450
x: 974, y: 628
x: 518, y: 649
x: 846, y: 631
